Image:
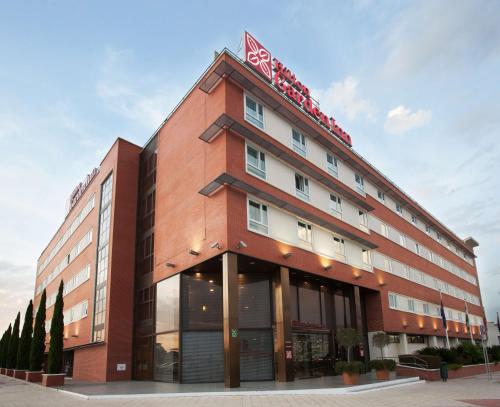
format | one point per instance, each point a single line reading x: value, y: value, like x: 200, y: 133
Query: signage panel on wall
x: 286, y: 82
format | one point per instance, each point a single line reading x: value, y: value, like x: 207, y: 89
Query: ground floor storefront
x: 235, y: 318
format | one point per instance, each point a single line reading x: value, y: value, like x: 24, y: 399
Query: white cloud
x: 343, y: 97
x: 141, y: 99
x: 401, y: 119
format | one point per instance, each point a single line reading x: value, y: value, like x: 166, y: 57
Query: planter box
x: 2, y: 370
x: 9, y: 372
x: 34, y: 377
x: 19, y: 374
x: 53, y: 380
x: 433, y: 374
x: 350, y: 379
x: 382, y: 375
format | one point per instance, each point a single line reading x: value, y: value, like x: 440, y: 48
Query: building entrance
x: 311, y: 354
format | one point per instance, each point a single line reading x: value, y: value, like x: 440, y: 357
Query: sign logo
x: 80, y: 190
x: 286, y: 82
x: 257, y: 56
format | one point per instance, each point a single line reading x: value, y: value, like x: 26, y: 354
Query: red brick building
x: 239, y: 240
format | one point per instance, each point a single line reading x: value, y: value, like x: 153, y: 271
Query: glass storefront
x: 311, y: 353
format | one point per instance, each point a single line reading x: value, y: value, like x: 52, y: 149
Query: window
x: 338, y: 246
x: 257, y: 217
x: 384, y: 230
x: 304, y: 231
x: 254, y: 112
x: 360, y: 185
x: 426, y: 308
x: 367, y: 258
x: 414, y: 219
x: 332, y: 166
x: 299, y: 143
x: 393, y: 338
x: 363, y: 219
x: 380, y: 195
x: 450, y: 314
x: 439, y: 237
x: 417, y: 248
x: 256, y: 162
x: 402, y: 240
x: 415, y: 339
x: 411, y: 305
x: 428, y: 229
x: 302, y: 187
x: 335, y: 205
x: 393, y: 301
x: 399, y: 209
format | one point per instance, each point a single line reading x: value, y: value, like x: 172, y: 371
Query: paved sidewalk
x: 478, y: 390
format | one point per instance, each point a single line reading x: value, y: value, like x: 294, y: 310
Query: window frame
x: 380, y: 195
x: 308, y: 232
x: 360, y: 186
x: 299, y: 148
x: 299, y: 193
x: 255, y: 170
x: 265, y: 226
x: 333, y: 167
x: 247, y: 114
x: 335, y: 205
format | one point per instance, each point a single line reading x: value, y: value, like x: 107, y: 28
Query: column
x: 433, y: 341
x: 230, y: 311
x: 403, y: 344
x: 284, y: 348
x: 358, y: 318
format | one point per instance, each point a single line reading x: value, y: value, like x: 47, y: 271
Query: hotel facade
x: 241, y: 237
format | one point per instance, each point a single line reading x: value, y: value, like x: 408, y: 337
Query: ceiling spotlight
x: 326, y: 268
x: 287, y: 255
x: 193, y: 252
x: 168, y: 264
x: 216, y: 245
x: 357, y: 276
x: 241, y: 244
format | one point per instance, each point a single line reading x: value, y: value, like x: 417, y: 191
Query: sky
x: 416, y: 85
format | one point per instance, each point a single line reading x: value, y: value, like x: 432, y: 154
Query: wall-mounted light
x: 193, y: 252
x: 357, y: 276
x: 216, y: 245
x: 382, y: 284
x: 326, y: 268
x: 241, y: 245
x: 168, y: 264
x: 74, y: 336
x: 405, y: 325
x: 287, y: 255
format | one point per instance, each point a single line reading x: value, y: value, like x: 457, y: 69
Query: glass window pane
x: 167, y: 304
x: 166, y: 358
x: 309, y: 305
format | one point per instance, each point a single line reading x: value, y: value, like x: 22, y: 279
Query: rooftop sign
x: 80, y: 190
x: 285, y: 81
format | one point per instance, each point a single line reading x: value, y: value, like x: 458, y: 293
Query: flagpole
x: 468, y: 323
x: 446, y: 325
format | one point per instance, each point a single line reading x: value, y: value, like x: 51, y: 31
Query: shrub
x: 454, y: 366
x: 468, y: 353
x: 382, y: 364
x: 349, y: 367
x: 38, y: 342
x: 13, y: 345
x: 56, y: 334
x: 23, y: 352
x: 347, y: 338
x: 494, y: 351
x: 380, y: 340
x: 447, y: 355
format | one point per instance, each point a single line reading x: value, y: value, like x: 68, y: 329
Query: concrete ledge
x: 236, y: 393
x: 34, y: 377
x: 52, y: 380
x: 433, y: 374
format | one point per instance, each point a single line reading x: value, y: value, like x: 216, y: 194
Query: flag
x: 443, y: 316
x: 498, y: 321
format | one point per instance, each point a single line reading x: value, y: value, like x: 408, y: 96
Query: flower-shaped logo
x: 257, y: 56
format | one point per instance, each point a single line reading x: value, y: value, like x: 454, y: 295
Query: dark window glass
x: 167, y: 304
x: 348, y: 316
x: 415, y: 339
x: 166, y: 357
x: 254, y: 301
x: 202, y: 357
x: 311, y: 354
x: 309, y: 306
x: 326, y: 307
x: 202, y: 301
x: 294, y: 304
x: 339, y: 309
x: 256, y: 358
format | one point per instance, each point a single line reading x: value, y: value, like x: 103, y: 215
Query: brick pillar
x: 230, y: 311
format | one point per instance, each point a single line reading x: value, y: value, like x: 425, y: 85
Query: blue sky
x: 416, y: 84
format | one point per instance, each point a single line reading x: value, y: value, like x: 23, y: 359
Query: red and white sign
x: 285, y: 81
x: 257, y: 56
x: 80, y: 190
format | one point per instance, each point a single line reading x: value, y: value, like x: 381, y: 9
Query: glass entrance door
x: 311, y: 354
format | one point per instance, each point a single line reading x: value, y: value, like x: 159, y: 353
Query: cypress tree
x: 2, y: 347
x: 5, y: 348
x: 23, y: 353
x: 13, y: 344
x: 56, y: 334
x: 38, y: 342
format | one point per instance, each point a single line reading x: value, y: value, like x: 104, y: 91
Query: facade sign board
x: 80, y: 190
x: 286, y: 82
